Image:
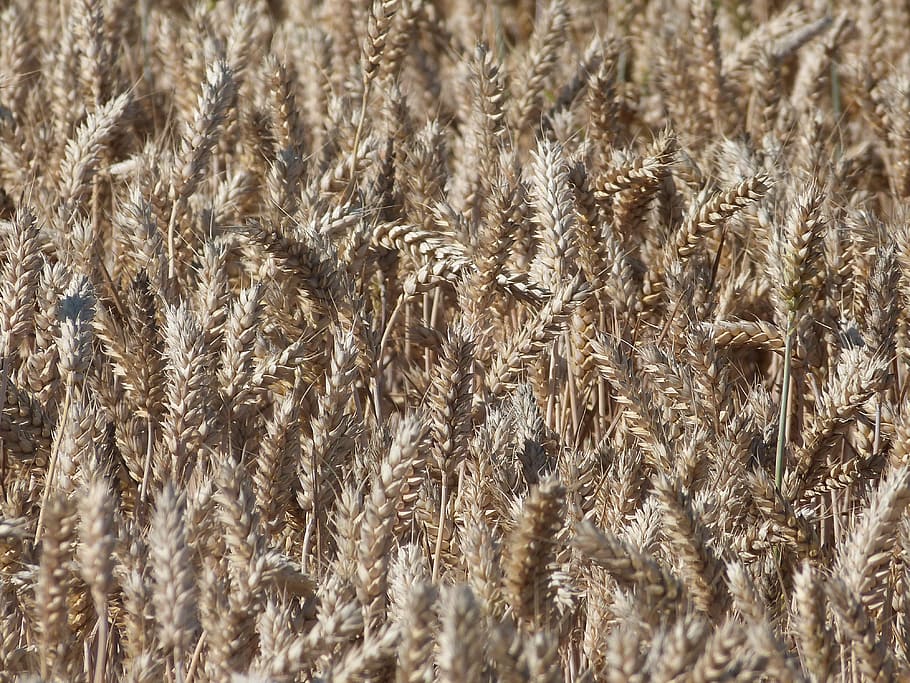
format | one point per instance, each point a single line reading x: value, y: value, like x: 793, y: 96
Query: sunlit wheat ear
x: 172, y: 570
x: 541, y: 58
x: 809, y: 619
x: 531, y: 549
x: 799, y: 250
x: 701, y: 568
x: 83, y: 154
x: 417, y: 639
x: 196, y: 147
x: 555, y: 213
x: 97, y: 508
x: 51, y: 588
x: 378, y: 516
x: 460, y: 650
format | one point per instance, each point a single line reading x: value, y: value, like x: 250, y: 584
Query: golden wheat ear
x: 175, y: 595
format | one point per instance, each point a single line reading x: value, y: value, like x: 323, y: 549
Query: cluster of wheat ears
x: 425, y: 340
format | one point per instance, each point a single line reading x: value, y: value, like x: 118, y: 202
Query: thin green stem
x: 784, y: 403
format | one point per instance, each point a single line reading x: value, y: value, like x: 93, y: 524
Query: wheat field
x: 418, y: 340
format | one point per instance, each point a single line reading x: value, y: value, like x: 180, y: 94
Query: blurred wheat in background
x: 424, y: 340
